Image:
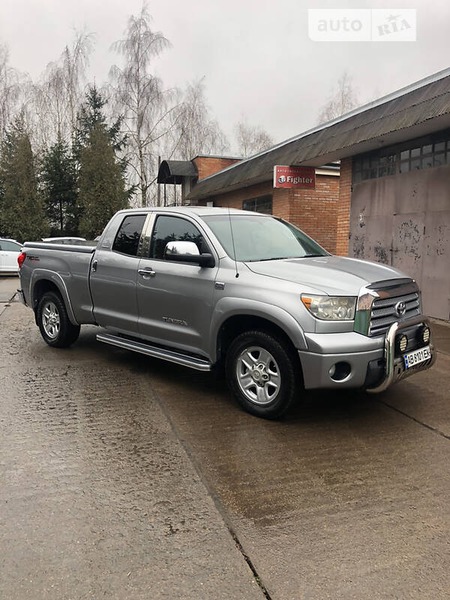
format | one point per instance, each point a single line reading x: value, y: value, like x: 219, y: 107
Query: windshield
x: 255, y: 237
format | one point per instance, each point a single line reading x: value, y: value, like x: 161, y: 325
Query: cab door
x: 175, y: 299
x: 114, y: 275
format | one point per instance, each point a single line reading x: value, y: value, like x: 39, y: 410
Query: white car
x: 9, y: 251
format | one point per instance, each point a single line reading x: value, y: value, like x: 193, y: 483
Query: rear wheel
x: 262, y: 374
x: 54, y: 323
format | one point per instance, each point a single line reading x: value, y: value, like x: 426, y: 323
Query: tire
x: 262, y: 374
x: 54, y: 323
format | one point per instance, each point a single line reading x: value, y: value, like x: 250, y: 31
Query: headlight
x: 330, y: 308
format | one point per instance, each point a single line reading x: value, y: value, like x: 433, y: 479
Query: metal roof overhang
x: 419, y: 110
x: 175, y: 171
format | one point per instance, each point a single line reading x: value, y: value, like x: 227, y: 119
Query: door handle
x: 94, y: 266
x: 146, y: 273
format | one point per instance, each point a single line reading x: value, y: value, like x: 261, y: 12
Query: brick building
x: 313, y: 210
x: 393, y: 203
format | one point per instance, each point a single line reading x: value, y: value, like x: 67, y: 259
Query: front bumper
x: 351, y: 360
x: 394, y: 367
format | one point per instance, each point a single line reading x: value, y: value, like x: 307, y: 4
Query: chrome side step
x: 179, y: 358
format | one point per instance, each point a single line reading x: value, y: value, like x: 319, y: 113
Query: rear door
x: 175, y: 298
x: 113, y: 276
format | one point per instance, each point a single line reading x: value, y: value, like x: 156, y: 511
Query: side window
x: 127, y: 238
x: 174, y: 229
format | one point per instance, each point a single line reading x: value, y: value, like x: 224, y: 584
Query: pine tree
x: 92, y: 114
x: 21, y: 207
x: 101, y: 183
x: 101, y: 173
x: 59, y: 186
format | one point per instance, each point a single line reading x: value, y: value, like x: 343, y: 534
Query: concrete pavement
x: 128, y: 478
x: 98, y: 497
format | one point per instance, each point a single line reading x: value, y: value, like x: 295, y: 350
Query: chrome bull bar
x: 394, y: 367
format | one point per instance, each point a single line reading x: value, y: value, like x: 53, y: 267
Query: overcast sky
x: 256, y: 56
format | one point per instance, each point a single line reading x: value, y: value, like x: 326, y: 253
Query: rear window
x: 10, y: 246
x: 129, y: 234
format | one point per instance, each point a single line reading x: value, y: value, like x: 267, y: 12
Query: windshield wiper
x: 290, y: 257
x: 282, y: 257
x: 272, y: 258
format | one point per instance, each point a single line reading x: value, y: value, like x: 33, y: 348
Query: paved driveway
x: 128, y: 478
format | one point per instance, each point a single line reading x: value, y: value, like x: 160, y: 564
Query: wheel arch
x: 44, y: 282
x: 241, y: 323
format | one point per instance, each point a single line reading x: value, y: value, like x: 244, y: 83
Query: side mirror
x: 187, y: 252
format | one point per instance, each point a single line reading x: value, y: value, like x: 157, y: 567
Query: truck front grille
x: 385, y: 310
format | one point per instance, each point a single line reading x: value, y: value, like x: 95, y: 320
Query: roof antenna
x: 232, y: 242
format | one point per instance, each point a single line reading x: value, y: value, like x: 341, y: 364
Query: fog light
x: 425, y: 334
x: 402, y: 342
x: 340, y: 371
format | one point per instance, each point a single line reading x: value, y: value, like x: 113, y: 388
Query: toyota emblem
x: 400, y: 308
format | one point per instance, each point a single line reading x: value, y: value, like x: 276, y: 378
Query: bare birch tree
x: 139, y: 95
x: 51, y: 107
x: 59, y: 95
x: 251, y: 139
x: 75, y: 61
x: 195, y: 131
x: 343, y: 100
x: 9, y: 91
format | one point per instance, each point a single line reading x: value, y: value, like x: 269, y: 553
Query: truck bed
x: 68, y: 263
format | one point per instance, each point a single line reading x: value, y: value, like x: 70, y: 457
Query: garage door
x: 404, y: 221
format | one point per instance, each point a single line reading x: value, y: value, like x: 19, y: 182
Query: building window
x: 262, y: 204
x: 423, y: 153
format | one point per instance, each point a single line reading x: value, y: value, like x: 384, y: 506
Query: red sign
x: 294, y: 177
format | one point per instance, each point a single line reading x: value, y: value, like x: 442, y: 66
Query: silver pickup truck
x: 213, y: 287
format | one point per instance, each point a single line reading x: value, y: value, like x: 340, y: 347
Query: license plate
x: 418, y: 356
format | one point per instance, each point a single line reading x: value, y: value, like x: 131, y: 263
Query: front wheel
x: 262, y: 374
x: 54, y: 323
